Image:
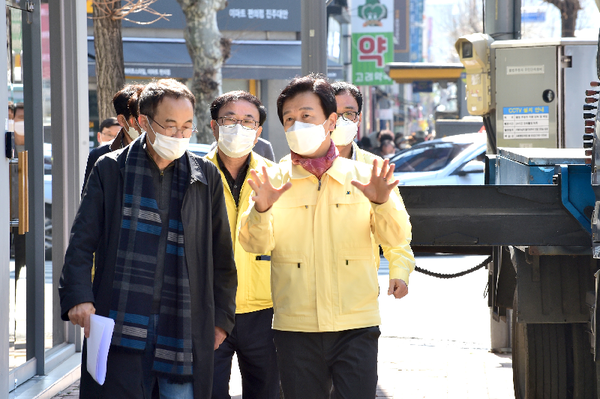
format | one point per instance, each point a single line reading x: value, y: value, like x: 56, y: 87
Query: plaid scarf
x: 317, y: 166
x: 133, y: 285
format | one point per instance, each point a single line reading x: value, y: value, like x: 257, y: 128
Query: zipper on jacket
x: 319, y: 188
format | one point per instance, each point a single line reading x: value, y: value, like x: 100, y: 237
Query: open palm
x: 265, y: 194
x: 381, y: 184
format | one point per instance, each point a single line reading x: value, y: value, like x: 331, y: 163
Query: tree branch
x: 131, y: 7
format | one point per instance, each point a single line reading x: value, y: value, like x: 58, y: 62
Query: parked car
x: 199, y: 149
x: 447, y: 161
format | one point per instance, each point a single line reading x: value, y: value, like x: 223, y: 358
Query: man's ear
x: 144, y: 123
x: 215, y: 129
x: 359, y: 119
x: 258, y: 132
x: 134, y: 124
x: 332, y: 121
x: 122, y: 121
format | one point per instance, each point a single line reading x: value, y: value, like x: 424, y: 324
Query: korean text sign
x: 372, y: 41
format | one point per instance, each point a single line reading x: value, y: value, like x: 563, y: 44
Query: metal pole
x: 34, y: 144
x: 314, y: 37
x: 4, y: 232
x: 69, y: 102
x: 503, y: 19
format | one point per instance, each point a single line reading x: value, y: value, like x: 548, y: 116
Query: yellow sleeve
x: 392, y: 230
x: 390, y: 223
x: 256, y: 231
x: 401, y: 260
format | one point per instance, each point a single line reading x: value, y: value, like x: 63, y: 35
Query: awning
x: 162, y: 58
x: 408, y: 72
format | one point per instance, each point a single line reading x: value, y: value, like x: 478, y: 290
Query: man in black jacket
x: 154, y: 214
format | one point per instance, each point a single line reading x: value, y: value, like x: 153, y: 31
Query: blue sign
x: 538, y: 16
x: 416, y: 30
x: 422, y: 86
x: 540, y: 109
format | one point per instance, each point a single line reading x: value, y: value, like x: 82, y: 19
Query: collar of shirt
x: 235, y: 185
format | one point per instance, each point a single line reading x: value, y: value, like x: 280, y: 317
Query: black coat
x: 208, y: 250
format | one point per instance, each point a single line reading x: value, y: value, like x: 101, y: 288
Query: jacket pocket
x: 292, y: 292
x: 357, y: 281
x: 260, y: 284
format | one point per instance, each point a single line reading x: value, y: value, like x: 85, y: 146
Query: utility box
x: 539, y: 87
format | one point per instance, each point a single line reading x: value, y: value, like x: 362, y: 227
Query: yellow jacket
x: 401, y: 259
x: 324, y: 272
x: 254, y: 287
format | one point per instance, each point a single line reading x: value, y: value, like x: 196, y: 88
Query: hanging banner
x: 416, y: 30
x: 401, y: 30
x: 372, y: 41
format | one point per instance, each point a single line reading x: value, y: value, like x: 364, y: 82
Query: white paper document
x: 101, y: 330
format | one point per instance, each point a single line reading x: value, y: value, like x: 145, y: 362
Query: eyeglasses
x: 172, y: 130
x: 249, y: 124
x: 107, y: 134
x: 350, y: 116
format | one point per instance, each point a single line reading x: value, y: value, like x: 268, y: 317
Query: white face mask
x: 236, y: 141
x: 344, y: 132
x: 20, y: 128
x: 169, y: 148
x: 133, y: 134
x: 305, y: 138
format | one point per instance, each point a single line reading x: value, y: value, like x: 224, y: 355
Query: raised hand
x: 265, y: 194
x: 381, y: 184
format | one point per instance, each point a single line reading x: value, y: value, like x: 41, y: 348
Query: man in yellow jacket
x: 349, y: 110
x: 316, y: 214
x: 237, y: 122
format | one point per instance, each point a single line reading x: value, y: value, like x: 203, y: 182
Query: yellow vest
x: 254, y: 287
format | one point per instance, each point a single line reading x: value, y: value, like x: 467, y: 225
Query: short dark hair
x: 237, y: 95
x: 121, y: 99
x: 155, y: 91
x: 132, y: 103
x: 314, y: 83
x: 12, y: 107
x: 109, y: 122
x: 386, y: 136
x: 345, y: 87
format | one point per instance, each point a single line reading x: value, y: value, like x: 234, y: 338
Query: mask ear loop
x: 138, y: 125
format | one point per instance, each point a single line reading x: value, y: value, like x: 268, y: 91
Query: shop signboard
x: 372, y: 41
x: 260, y: 15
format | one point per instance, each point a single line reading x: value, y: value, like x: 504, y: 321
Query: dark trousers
x: 129, y: 375
x: 252, y: 340
x: 124, y: 377
x: 309, y: 363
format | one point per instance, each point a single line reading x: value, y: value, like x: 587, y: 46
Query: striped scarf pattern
x: 133, y: 286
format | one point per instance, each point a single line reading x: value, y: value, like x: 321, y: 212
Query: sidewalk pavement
x: 409, y: 368
x: 434, y: 343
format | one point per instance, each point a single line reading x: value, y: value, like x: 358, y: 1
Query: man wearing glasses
x: 155, y: 216
x: 237, y: 122
x: 109, y: 128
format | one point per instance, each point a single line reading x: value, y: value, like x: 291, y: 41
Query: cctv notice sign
x: 526, y: 122
x: 372, y: 41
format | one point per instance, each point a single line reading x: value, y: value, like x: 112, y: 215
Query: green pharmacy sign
x: 372, y: 42
x: 372, y: 12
